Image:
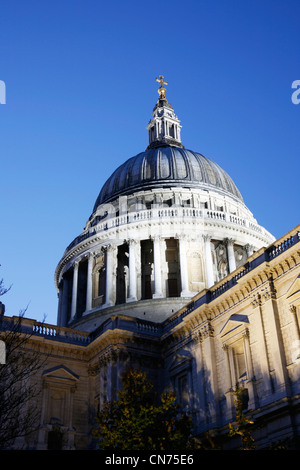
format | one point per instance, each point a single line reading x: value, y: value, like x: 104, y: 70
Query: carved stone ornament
x: 207, y: 331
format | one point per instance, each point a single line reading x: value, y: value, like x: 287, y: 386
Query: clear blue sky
x: 80, y: 89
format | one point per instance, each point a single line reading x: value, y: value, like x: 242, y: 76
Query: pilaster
x: 210, y: 380
x: 261, y: 342
x: 208, y: 261
x: 229, y: 380
x: 270, y: 309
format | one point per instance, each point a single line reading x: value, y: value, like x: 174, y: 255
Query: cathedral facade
x: 173, y: 275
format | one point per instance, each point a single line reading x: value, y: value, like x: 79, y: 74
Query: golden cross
x: 161, y: 90
x: 161, y: 81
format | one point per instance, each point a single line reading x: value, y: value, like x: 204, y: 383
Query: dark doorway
x: 147, y: 268
x: 81, y: 290
x: 122, y: 273
x: 173, y: 288
x: 172, y: 259
x: 55, y: 439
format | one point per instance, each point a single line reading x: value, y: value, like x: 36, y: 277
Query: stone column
x: 60, y: 302
x: 110, y: 275
x: 247, y: 354
x: 132, y: 294
x: 228, y: 378
x: 185, y: 292
x: 230, y: 254
x: 74, y: 291
x: 208, y: 261
x: 249, y: 249
x: 157, y: 268
x: 89, y: 282
x: 233, y: 376
x: 64, y: 300
x: 249, y: 368
x: 228, y: 383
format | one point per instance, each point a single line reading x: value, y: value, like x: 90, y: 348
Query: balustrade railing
x: 148, y: 327
x: 283, y: 246
x: 60, y: 333
x: 163, y: 213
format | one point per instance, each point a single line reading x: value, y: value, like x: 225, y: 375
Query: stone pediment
x: 234, y: 322
x: 60, y: 372
x: 294, y: 289
x: 180, y: 362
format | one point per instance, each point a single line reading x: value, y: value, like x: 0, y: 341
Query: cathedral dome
x: 168, y: 223
x: 167, y: 166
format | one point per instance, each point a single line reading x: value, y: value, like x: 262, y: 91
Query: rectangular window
x: 171, y: 131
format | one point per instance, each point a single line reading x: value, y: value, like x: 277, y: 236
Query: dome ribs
x: 163, y: 166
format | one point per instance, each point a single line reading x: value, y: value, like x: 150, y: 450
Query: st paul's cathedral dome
x: 167, y: 224
x: 171, y: 276
x: 167, y: 166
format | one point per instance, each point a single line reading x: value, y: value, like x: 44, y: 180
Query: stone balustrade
x: 156, y: 214
x: 60, y: 333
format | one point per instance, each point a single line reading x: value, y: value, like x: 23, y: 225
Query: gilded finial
x: 162, y: 90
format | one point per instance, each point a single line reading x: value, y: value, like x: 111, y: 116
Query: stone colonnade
x: 75, y: 284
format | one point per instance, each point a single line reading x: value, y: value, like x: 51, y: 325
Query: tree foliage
x: 241, y: 427
x: 137, y: 420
